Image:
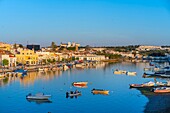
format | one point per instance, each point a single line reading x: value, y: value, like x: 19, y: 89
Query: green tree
x: 5, y: 62
x: 53, y: 61
x: 73, y: 58
x: 71, y: 48
x: 77, y: 58
x: 49, y: 61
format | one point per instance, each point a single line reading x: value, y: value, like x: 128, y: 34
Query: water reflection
x: 38, y: 101
x: 45, y: 76
x: 158, y: 103
x: 100, y: 75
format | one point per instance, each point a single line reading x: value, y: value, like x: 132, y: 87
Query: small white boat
x: 38, y: 96
x: 131, y: 73
x: 40, y: 69
x: 117, y: 71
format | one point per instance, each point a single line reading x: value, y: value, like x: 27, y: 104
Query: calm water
x: 121, y: 99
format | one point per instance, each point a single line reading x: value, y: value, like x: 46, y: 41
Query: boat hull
x: 105, y: 92
x: 80, y: 83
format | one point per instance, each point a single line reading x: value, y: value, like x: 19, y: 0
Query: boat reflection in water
x: 158, y: 103
x: 39, y: 101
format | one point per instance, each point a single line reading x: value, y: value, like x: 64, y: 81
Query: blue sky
x: 93, y: 22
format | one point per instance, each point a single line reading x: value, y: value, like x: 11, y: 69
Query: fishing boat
x: 80, y: 83
x: 118, y: 72
x: 38, y: 96
x: 100, y: 91
x: 40, y: 69
x: 24, y: 72
x: 151, y: 84
x: 163, y: 74
x: 72, y: 94
x: 131, y: 73
x: 147, y: 84
x: 161, y: 90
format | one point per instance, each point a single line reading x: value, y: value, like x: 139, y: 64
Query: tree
x: 21, y: 46
x: 49, y: 61
x: 53, y: 46
x: 53, y: 61
x: 5, y: 62
x: 71, y: 48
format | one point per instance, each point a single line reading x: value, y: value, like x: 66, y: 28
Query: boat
x: 161, y: 90
x: 150, y: 84
x: 72, y: 94
x: 147, y: 69
x: 118, y: 72
x: 38, y: 96
x: 80, y: 83
x: 151, y: 64
x: 100, y: 91
x: 40, y: 69
x: 131, y: 73
x: 161, y: 74
x: 147, y: 84
x: 24, y: 72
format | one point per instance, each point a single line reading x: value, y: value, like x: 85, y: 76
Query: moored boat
x: 100, y: 91
x: 38, y: 96
x: 118, y: 72
x: 151, y: 84
x: 163, y: 74
x: 40, y: 69
x: 24, y: 72
x: 161, y: 90
x: 80, y: 83
x: 147, y: 84
x: 131, y: 73
x: 72, y: 94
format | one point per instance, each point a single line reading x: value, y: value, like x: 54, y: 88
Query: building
x: 44, y: 56
x: 91, y: 57
x: 9, y: 57
x: 148, y: 48
x: 11, y: 60
x: 35, y: 47
x: 5, y: 46
x: 28, y: 57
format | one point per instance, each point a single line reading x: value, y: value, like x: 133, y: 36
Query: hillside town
x: 12, y: 55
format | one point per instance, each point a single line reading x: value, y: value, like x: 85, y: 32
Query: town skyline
x: 95, y: 23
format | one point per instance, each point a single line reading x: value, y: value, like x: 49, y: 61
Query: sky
x: 88, y: 22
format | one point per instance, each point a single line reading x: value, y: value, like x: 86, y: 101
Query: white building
x: 91, y: 57
x: 11, y: 59
x: 147, y: 48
